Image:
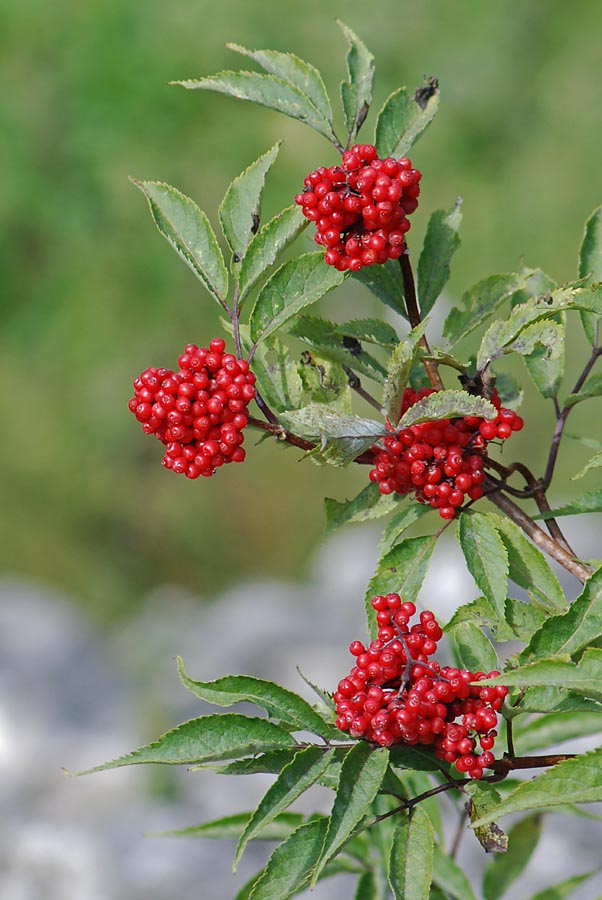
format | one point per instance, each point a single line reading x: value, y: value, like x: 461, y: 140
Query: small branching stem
x: 411, y: 302
x: 356, y: 385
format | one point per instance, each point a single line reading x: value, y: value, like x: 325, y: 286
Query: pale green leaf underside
x: 440, y: 243
x: 447, y: 405
x: 230, y: 828
x: 267, y: 245
x: 340, y: 438
x: 356, y: 92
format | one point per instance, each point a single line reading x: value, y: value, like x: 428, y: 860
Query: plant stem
x: 502, y: 767
x: 411, y: 302
x: 356, y: 385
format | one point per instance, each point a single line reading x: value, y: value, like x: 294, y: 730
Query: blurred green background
x: 91, y: 294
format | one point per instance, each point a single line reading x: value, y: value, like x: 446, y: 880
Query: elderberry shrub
x: 360, y: 208
x: 396, y: 695
x: 199, y: 412
x: 441, y: 462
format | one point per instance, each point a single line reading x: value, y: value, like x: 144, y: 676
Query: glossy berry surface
x: 396, y: 694
x: 198, y: 412
x: 361, y: 207
x: 440, y: 462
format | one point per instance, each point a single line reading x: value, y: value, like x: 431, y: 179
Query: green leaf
x: 294, y: 780
x: 577, y: 780
x: 546, y: 336
x: 386, y: 283
x: 356, y: 92
x: 295, y: 71
x: 362, y: 772
x: 367, y: 888
x: 373, y: 331
x: 564, y: 888
x: 400, y: 522
x: 412, y: 857
x: 571, y: 632
x: 473, y: 648
x: 485, y: 799
x: 278, y: 702
x: 324, y: 382
x: 447, y: 405
x: 555, y: 728
x: 450, y: 878
x: 440, y: 243
x: 208, y: 738
x: 523, y: 618
x: 187, y: 229
x: 404, y: 756
x: 241, y: 207
x: 401, y: 570
x: 230, y: 828
x: 528, y: 567
x: 479, y: 303
x: 507, y: 867
x: 590, y: 266
x: 287, y: 870
x: 267, y: 245
x: 546, y: 370
x: 585, y: 678
x: 415, y: 783
x: 330, y: 340
x: 265, y: 90
x: 277, y: 375
x: 550, y: 699
x: 591, y: 501
x: 485, y: 557
x: 403, y: 118
x: 292, y: 287
x: 594, y: 463
x: 341, y: 438
x: 399, y: 368
x: 270, y: 763
x: 591, y: 388
x: 369, y: 504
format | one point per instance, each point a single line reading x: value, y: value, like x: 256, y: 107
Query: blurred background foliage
x: 91, y: 294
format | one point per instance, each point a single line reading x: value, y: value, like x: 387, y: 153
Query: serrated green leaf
x: 401, y: 570
x: 550, y: 699
x: 415, y: 783
x: 505, y: 868
x: 575, y: 629
x: 555, y: 728
x: 440, y: 243
x: 403, y: 118
x: 230, y: 828
x: 369, y: 504
x: 546, y: 336
x: 593, y: 463
x: 591, y: 501
x: 294, y: 780
x: 187, y: 229
x: 399, y: 523
x: 267, y: 245
x: 278, y: 702
x: 330, y: 340
x: 527, y: 566
x: 356, y: 92
x: 478, y: 612
x: 241, y: 207
x: 547, y: 371
x: 479, y: 303
x: 591, y: 388
x: 563, y: 889
x: 367, y: 888
x: 523, y: 619
x: 577, y: 780
x: 277, y: 376
x: 484, y: 799
x: 207, y: 738
x: 270, y: 763
x: 295, y: 71
x: 590, y: 267
x: 373, y: 331
x: 287, y: 870
x: 341, y: 438
x: 325, y: 382
x: 412, y: 857
x: 485, y: 557
x: 448, y: 876
x: 399, y: 368
x: 555, y: 671
x: 292, y: 287
x: 447, y: 405
x: 265, y: 90
x: 404, y: 756
x: 362, y: 772
x: 474, y: 650
x: 386, y: 283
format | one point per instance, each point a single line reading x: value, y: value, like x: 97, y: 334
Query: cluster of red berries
x: 395, y: 695
x: 198, y: 412
x: 440, y: 461
x: 360, y: 207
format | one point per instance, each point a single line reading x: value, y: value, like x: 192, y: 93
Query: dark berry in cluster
x: 198, y: 412
x: 396, y: 694
x: 361, y: 207
x: 441, y: 462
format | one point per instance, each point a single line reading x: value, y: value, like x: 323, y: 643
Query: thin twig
x: 458, y: 835
x: 356, y: 385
